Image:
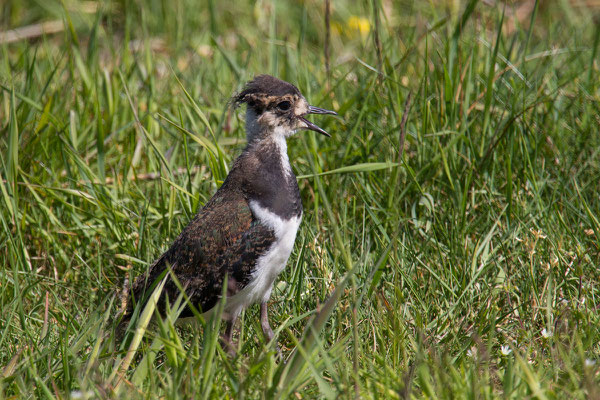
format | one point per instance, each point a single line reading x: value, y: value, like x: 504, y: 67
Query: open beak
x: 313, y: 127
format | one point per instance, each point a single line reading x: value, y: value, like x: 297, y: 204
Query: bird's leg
x: 264, y: 322
x: 227, y: 338
x: 232, y: 288
x: 266, y: 328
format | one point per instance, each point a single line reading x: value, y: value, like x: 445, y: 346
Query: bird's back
x: 223, y: 239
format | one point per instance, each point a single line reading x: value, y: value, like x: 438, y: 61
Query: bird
x: 245, y: 233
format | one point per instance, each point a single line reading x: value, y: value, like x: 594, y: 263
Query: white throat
x: 281, y: 144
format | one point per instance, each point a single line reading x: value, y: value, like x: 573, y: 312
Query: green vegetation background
x: 459, y: 261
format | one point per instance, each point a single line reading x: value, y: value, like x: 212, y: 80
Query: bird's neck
x: 265, y: 175
x: 270, y: 150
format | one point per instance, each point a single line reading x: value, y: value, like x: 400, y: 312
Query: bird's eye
x: 284, y: 105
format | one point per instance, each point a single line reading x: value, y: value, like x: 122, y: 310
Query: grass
x: 461, y: 262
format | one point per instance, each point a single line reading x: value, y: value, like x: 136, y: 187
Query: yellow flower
x: 358, y: 24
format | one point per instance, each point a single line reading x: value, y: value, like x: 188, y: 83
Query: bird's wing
x: 224, y: 238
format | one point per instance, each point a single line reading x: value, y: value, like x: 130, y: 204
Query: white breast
x: 270, y: 264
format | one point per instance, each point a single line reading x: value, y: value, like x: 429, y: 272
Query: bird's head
x: 275, y: 107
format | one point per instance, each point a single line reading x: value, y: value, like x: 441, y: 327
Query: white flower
x: 589, y: 363
x: 546, y: 334
x: 505, y: 350
x: 472, y: 352
x: 78, y: 394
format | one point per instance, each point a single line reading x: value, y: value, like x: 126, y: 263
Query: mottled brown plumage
x: 223, y: 238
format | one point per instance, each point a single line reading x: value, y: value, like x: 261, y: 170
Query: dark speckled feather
x: 223, y: 238
x: 266, y: 87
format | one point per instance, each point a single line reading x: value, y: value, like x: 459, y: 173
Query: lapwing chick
x: 245, y: 233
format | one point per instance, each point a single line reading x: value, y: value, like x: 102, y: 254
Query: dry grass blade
x: 118, y: 375
x: 31, y: 31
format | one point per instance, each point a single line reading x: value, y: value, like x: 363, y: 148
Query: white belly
x: 269, y: 265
